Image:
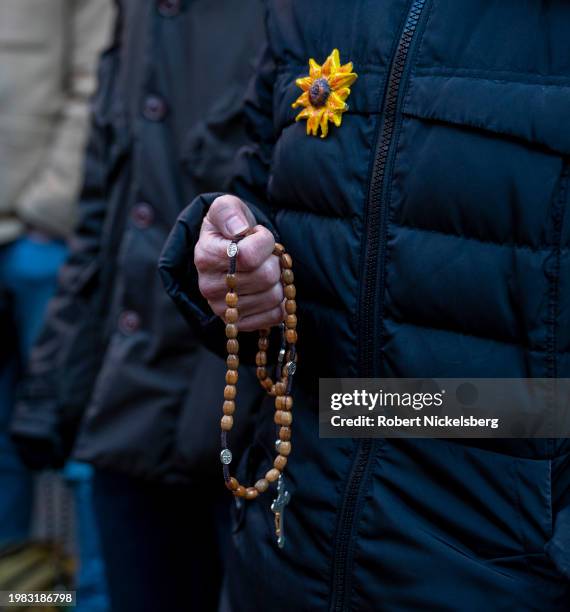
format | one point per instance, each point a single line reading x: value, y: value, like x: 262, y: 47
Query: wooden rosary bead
x: 261, y: 358
x: 231, y: 299
x: 263, y: 343
x: 231, y: 377
x: 291, y: 321
x: 290, y: 306
x: 284, y: 448
x: 280, y: 462
x: 285, y: 433
x: 240, y: 491
x: 283, y: 418
x: 231, y: 281
x: 231, y: 331
x: 279, y: 249
x: 291, y: 336
x: 261, y: 373
x: 230, y: 392
x: 232, y: 484
x: 286, y: 261
x: 284, y: 402
x: 227, y: 422
x: 251, y: 493
x: 232, y: 362
x: 272, y: 475
x: 232, y: 346
x: 280, y: 388
x: 287, y: 277
x: 289, y: 291
x: 267, y: 384
x: 229, y: 407
x: 262, y: 485
x: 232, y: 315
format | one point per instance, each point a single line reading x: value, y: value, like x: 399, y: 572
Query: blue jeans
x: 90, y: 580
x: 28, y: 277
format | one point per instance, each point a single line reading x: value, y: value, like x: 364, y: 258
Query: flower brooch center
x: 319, y: 93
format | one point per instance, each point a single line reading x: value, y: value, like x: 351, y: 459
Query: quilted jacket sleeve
x: 44, y: 422
x: 249, y: 183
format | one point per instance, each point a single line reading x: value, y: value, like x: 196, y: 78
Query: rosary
x: 280, y: 390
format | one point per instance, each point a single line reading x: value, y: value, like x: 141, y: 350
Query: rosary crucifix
x: 278, y: 508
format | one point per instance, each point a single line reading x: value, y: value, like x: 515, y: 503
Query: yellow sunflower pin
x: 324, y: 95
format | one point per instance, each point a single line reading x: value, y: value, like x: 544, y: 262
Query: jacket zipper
x: 348, y: 518
x: 375, y: 224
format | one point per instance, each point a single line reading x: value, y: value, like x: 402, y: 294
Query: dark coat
x: 114, y: 351
x: 431, y: 235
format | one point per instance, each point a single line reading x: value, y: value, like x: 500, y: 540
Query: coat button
x: 169, y: 8
x: 142, y: 215
x: 154, y: 108
x: 129, y: 322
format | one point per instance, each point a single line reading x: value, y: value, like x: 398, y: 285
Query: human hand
x: 258, y: 282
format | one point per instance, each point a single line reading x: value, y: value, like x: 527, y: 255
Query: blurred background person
x: 116, y: 374
x: 48, y: 55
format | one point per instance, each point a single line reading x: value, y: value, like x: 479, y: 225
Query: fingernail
x: 236, y: 225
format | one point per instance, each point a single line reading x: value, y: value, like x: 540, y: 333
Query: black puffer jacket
x: 431, y: 236
x: 166, y: 125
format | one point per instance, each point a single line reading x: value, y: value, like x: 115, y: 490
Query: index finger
x: 253, y: 250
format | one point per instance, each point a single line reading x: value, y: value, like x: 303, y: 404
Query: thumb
x: 230, y: 216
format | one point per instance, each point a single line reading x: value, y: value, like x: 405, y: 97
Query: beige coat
x: 48, y: 55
